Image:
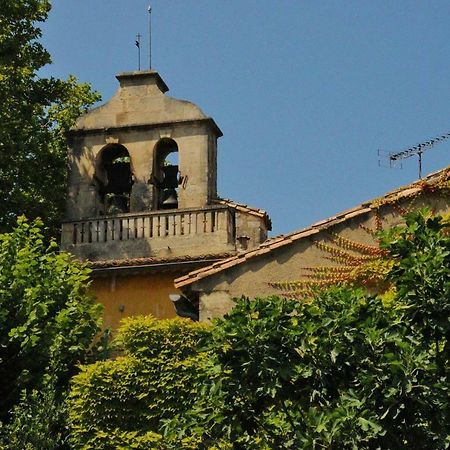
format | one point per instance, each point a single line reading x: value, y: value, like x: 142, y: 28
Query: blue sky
x: 305, y: 92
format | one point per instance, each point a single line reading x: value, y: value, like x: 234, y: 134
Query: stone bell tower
x: 143, y: 193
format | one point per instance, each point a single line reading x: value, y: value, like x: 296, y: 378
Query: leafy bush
x: 124, y: 402
x: 341, y: 370
x: 47, y: 321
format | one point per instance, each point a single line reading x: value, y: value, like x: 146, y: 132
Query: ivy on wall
x: 354, y: 263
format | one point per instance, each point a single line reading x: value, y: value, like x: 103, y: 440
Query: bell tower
x: 154, y: 151
x: 143, y: 185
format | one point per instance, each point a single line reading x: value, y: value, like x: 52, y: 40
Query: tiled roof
x: 246, y: 209
x: 410, y: 190
x: 104, y: 264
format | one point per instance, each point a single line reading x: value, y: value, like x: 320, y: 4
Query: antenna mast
x: 417, y: 150
x: 149, y: 36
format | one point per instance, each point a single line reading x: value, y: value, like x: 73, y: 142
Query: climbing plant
x: 353, y: 263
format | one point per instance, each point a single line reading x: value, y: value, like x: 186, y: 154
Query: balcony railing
x: 148, y: 225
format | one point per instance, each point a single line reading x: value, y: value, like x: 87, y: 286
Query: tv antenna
x: 416, y: 150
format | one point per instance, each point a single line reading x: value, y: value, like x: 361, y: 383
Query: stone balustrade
x: 159, y: 229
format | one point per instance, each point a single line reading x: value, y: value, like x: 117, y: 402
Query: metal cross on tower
x: 138, y: 45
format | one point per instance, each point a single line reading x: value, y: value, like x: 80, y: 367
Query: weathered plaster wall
x: 250, y: 231
x: 252, y: 278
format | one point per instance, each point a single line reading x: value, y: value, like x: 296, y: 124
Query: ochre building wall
x: 138, y: 294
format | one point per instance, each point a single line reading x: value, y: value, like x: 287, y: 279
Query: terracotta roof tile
x: 304, y: 234
x: 280, y: 241
x: 247, y: 209
x: 230, y: 263
x: 357, y: 212
x: 184, y: 278
x: 102, y: 264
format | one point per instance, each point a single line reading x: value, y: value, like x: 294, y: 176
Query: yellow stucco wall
x: 128, y: 295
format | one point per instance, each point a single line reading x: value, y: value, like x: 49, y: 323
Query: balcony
x: 152, y: 234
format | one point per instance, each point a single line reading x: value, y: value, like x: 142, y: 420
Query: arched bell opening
x: 115, y: 179
x: 165, y: 176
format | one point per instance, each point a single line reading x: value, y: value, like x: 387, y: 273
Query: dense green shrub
x: 47, y: 324
x: 124, y: 402
x: 341, y: 370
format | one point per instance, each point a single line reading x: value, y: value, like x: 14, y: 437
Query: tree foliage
x: 47, y: 318
x: 344, y: 369
x: 123, y: 403
x: 342, y: 372
x: 35, y: 113
x: 38, y: 421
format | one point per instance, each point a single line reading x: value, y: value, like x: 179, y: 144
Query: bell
x: 171, y: 201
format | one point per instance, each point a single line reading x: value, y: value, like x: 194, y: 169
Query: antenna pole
x: 149, y: 37
x: 420, y: 165
x: 418, y: 150
x: 138, y: 45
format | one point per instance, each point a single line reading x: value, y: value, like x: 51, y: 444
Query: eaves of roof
x: 140, y: 262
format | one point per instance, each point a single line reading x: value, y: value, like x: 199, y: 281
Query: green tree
x: 341, y: 370
x: 35, y: 113
x: 421, y: 275
x: 47, y: 320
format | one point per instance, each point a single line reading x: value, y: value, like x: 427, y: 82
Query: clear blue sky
x: 304, y: 91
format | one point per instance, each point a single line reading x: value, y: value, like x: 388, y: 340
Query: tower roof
x: 140, y: 100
